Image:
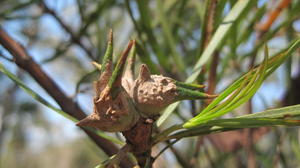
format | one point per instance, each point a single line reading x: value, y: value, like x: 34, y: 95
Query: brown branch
x: 264, y: 27
x: 212, y: 76
x: 209, y: 28
x: 25, y: 61
x: 179, y: 157
x: 272, y: 17
x: 215, y: 60
x: 76, y: 39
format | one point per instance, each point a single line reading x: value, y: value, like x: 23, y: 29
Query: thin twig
x: 272, y: 17
x: 165, y: 148
x: 265, y: 27
x: 179, y: 157
x: 199, y: 142
x: 212, y: 76
x: 74, y: 38
x: 6, y: 57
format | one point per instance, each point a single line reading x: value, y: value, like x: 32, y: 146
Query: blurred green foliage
x: 174, y: 40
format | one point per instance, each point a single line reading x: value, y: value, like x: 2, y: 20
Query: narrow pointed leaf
x: 187, y: 94
x: 40, y: 99
x: 189, y: 85
x: 117, y: 73
x: 217, y: 38
x: 242, y: 97
x: 286, y: 116
x: 271, y: 65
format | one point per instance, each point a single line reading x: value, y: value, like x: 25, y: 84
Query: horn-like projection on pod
x: 114, y: 110
x: 120, y: 100
x: 153, y: 93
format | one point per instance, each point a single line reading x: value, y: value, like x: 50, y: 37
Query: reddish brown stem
x: 209, y: 29
x: 212, y: 76
x: 140, y: 138
x: 215, y: 60
x: 272, y: 17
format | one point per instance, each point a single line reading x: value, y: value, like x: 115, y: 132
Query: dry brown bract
x: 110, y: 114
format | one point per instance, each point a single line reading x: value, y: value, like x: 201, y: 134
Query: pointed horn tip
x: 144, y: 66
x: 80, y: 123
x: 144, y: 73
x: 145, y: 70
x: 84, y: 122
x: 128, y: 48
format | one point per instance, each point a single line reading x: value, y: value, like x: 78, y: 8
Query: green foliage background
x: 173, y: 37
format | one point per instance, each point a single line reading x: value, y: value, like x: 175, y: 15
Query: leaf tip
x: 110, y: 37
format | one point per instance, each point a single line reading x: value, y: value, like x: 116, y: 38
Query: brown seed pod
x: 111, y: 114
x: 114, y: 110
x: 120, y: 100
x: 152, y: 93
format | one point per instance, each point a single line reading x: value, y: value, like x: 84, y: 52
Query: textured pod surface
x: 152, y: 93
x: 120, y: 101
x: 110, y: 114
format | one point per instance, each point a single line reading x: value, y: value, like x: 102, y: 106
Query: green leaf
x: 34, y: 94
x: 285, y: 112
x: 115, y: 79
x: 146, y: 25
x: 215, y: 109
x: 286, y: 116
x: 40, y: 99
x: 241, y: 95
x: 217, y: 38
x: 222, y: 125
x: 167, y: 32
